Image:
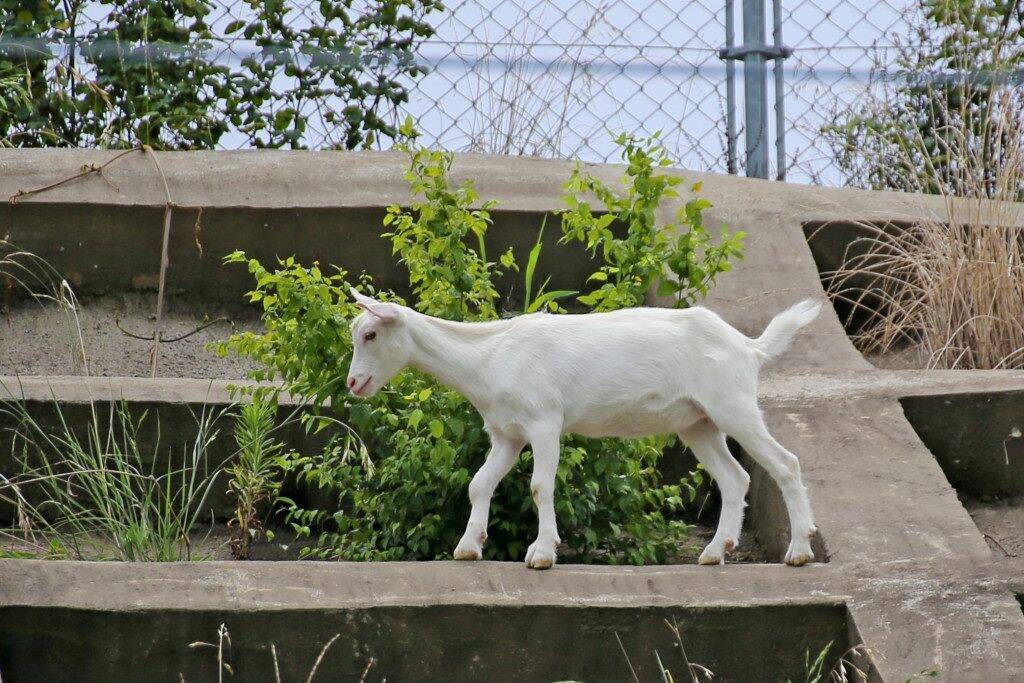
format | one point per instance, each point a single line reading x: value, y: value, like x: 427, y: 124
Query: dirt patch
x: 1002, y: 522
x: 748, y: 552
x: 42, y: 339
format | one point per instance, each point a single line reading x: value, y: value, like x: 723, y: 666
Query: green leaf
x: 547, y: 298
x: 667, y: 287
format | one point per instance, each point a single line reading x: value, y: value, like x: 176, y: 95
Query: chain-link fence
x: 558, y: 78
x: 841, y: 50
x: 562, y: 78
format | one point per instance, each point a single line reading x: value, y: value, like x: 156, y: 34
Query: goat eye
x: 369, y: 336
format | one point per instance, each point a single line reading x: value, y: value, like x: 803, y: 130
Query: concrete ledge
x: 432, y: 615
x: 420, y: 621
x: 351, y: 585
x: 327, y: 206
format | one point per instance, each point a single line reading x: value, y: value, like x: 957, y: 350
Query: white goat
x: 630, y: 373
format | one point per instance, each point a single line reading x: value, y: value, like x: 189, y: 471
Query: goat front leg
x: 545, y: 441
x: 499, y: 461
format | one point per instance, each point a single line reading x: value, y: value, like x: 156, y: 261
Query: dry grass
x: 224, y: 651
x: 522, y: 108
x: 949, y: 289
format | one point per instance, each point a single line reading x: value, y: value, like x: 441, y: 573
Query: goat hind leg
x: 546, y: 450
x: 746, y: 424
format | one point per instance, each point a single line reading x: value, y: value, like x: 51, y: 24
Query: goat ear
x: 362, y: 300
x: 386, y: 312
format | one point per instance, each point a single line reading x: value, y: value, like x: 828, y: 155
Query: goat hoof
x: 540, y: 557
x: 711, y: 558
x: 467, y: 551
x: 799, y: 560
x: 799, y: 553
x: 715, y: 551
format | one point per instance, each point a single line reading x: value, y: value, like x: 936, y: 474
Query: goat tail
x: 779, y: 334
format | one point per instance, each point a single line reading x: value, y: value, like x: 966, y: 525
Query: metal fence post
x: 755, y: 90
x: 755, y: 53
x: 780, y: 90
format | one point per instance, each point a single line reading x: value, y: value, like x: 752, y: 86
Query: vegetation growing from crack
x: 254, y: 475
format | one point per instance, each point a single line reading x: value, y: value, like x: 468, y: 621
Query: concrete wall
x: 421, y: 643
x: 905, y: 559
x: 973, y: 438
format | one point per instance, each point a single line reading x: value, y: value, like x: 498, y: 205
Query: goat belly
x: 645, y: 416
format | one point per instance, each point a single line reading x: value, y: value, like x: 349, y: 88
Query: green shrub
x: 424, y: 440
x: 634, y: 262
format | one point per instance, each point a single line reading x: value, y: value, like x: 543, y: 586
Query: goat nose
x: 351, y: 383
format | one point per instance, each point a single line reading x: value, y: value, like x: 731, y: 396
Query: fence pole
x: 755, y: 89
x: 755, y: 53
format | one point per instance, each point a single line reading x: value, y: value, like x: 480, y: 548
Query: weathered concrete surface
x: 921, y: 586
x: 43, y: 339
x: 1002, y: 522
x: 498, y: 622
x: 463, y: 643
x: 427, y: 621
x: 887, y: 536
x: 105, y: 234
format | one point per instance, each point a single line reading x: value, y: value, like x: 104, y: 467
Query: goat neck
x: 455, y: 353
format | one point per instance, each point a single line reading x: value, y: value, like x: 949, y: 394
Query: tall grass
x: 95, y: 493
x: 223, y: 650
x: 948, y: 289
x: 847, y: 669
x: 35, y: 278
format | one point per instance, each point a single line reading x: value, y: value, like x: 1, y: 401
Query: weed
x: 100, y: 496
x: 255, y: 474
x: 948, y: 289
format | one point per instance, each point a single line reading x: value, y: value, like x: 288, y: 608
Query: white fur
x: 629, y: 373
